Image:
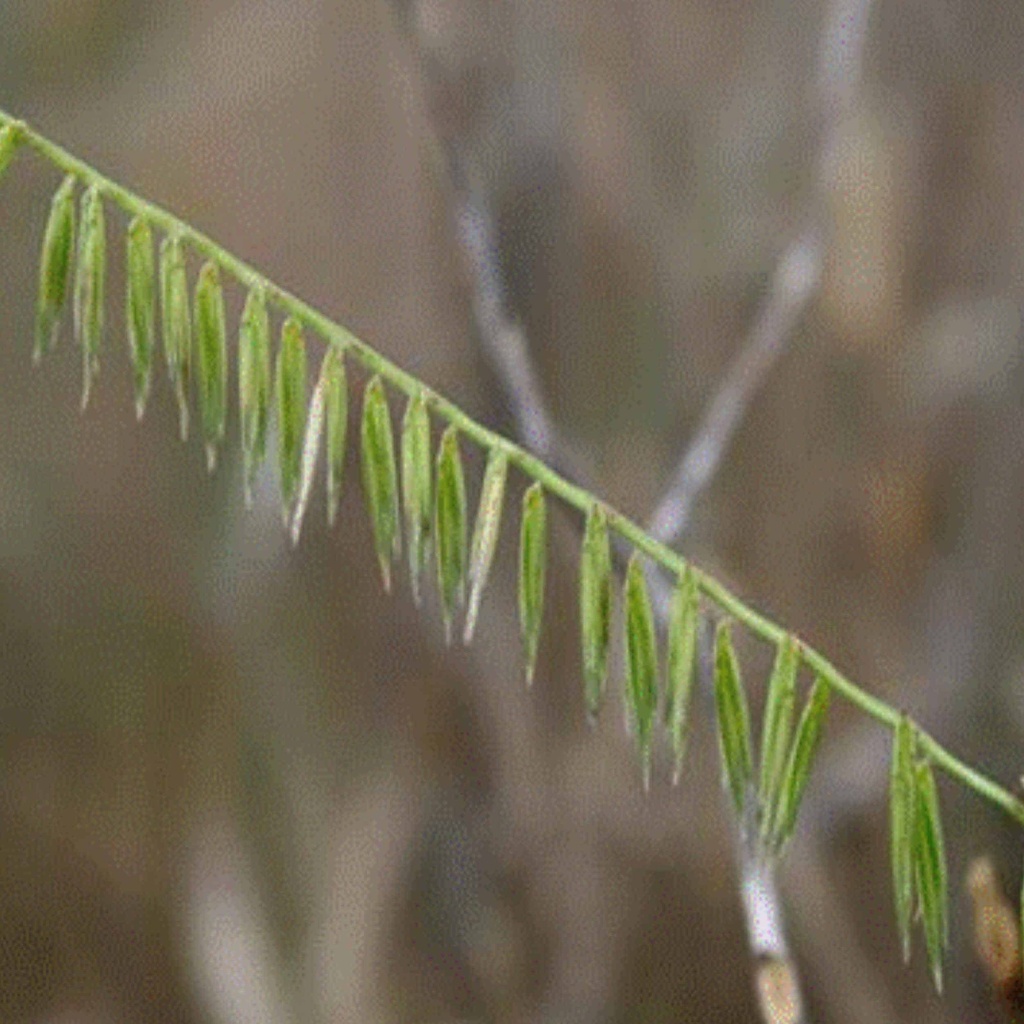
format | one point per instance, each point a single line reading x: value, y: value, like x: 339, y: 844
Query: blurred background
x: 238, y: 783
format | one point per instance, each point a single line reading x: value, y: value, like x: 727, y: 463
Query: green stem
x: 578, y: 497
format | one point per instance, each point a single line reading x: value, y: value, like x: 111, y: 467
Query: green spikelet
x: 450, y: 527
x: 930, y: 873
x: 641, y: 661
x: 417, y: 486
x: 380, y: 477
x: 595, y: 607
x: 291, y: 411
x: 775, y: 731
x: 140, y: 307
x: 55, y: 267
x: 336, y: 411
x: 212, y: 350
x: 682, y: 650
x: 798, y: 765
x: 902, y: 798
x: 177, y: 323
x: 254, y: 385
x: 90, y: 286
x: 733, y: 719
x: 485, y: 535
x: 533, y: 555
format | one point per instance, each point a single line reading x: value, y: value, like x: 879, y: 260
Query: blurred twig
x: 794, y: 283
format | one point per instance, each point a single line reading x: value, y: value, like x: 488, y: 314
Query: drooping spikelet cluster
x: 424, y: 494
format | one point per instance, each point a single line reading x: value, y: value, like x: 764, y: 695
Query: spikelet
x: 450, y: 527
x: 291, y: 412
x: 254, y: 385
x: 533, y: 554
x: 682, y: 649
x: 930, y: 873
x: 140, y: 307
x: 798, y: 765
x: 311, y: 445
x: 417, y: 486
x: 212, y: 363
x: 902, y: 799
x: 595, y: 607
x: 380, y: 477
x: 485, y: 535
x: 55, y: 267
x: 641, y: 661
x: 733, y: 719
x: 177, y: 323
x: 90, y: 286
x: 336, y: 412
x: 775, y: 731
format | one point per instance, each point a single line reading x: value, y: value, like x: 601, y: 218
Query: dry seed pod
x: 595, y: 607
x: 775, y: 731
x: 450, y: 527
x: 930, y: 874
x: 533, y: 553
x: 902, y: 791
x: 380, y: 478
x: 682, y: 649
x: 140, y: 307
x: 90, y: 285
x: 12, y: 135
x: 177, y: 323
x: 311, y: 445
x: 798, y: 765
x: 416, y: 485
x: 55, y: 266
x: 254, y: 384
x: 485, y: 535
x: 212, y: 351
x: 733, y: 719
x: 336, y: 411
x: 641, y: 660
x: 291, y: 411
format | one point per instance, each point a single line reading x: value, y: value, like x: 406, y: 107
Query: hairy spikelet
x: 380, y: 477
x: 417, y: 486
x: 485, y: 535
x: 140, y: 307
x: 775, y: 731
x: 682, y: 649
x: 311, y: 444
x: 177, y: 323
x: 902, y: 797
x: 254, y: 385
x: 533, y: 555
x: 641, y: 661
x: 930, y: 874
x: 336, y: 412
x: 595, y: 607
x: 291, y: 411
x: 55, y: 267
x: 733, y: 719
x: 90, y: 286
x: 450, y: 527
x: 212, y: 351
x: 798, y: 765
x: 12, y: 135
